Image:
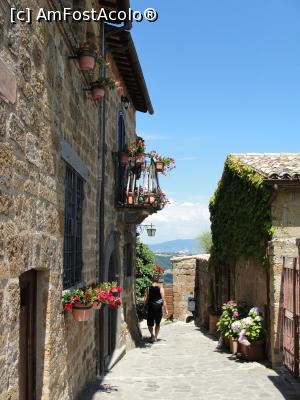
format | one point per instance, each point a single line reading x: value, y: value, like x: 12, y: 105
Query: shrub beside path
x: 184, y: 363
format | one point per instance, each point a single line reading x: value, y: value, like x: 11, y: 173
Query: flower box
x: 82, y: 312
x: 255, y: 351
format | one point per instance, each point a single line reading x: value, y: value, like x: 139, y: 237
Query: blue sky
x: 223, y: 76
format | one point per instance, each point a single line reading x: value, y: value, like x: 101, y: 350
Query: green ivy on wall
x: 240, y: 214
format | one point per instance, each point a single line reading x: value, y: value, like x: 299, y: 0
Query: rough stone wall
x: 184, y: 272
x: 50, y: 104
x: 203, y: 290
x: 286, y: 220
x: 250, y: 282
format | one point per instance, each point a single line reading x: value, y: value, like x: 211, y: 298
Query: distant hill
x: 164, y: 260
x: 179, y: 246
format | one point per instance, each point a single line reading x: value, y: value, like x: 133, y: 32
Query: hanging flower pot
x: 87, y: 57
x: 97, y: 93
x: 159, y: 166
x: 254, y: 351
x: 139, y: 158
x: 82, y: 312
x: 123, y: 158
x: 151, y: 198
x: 130, y: 198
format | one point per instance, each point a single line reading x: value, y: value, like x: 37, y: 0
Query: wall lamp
x: 151, y: 230
x: 126, y: 102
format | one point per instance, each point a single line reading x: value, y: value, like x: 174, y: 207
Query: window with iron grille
x: 73, y: 228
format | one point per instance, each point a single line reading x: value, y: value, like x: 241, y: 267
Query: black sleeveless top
x: 154, y: 294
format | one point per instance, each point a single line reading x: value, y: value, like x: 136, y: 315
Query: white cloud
x: 179, y: 221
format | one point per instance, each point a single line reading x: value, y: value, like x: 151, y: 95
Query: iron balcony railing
x: 139, y: 184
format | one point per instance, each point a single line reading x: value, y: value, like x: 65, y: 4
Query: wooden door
x: 27, y: 336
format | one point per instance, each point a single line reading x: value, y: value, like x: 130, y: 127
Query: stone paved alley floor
x: 184, y: 364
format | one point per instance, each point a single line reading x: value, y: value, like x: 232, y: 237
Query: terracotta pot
x: 96, y: 305
x: 123, y: 158
x: 254, y: 352
x: 159, y: 165
x: 140, y: 158
x: 86, y: 60
x: 151, y: 198
x: 97, y: 93
x: 130, y: 199
x: 212, y: 323
x: 234, y: 345
x: 82, y: 313
x: 225, y: 341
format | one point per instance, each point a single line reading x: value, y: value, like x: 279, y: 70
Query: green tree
x: 145, y: 262
x: 205, y: 240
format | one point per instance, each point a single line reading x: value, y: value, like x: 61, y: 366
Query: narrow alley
x: 184, y: 363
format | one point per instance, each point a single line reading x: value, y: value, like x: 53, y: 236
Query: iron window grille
x: 74, y: 196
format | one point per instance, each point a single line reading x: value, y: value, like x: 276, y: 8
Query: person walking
x: 154, y: 298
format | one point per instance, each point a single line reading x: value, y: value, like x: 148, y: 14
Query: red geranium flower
x: 68, y: 307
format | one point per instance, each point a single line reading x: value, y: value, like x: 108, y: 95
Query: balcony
x: 139, y: 192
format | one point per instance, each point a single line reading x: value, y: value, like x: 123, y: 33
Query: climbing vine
x: 240, y: 214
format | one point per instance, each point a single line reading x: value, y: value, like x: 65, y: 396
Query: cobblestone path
x: 184, y: 364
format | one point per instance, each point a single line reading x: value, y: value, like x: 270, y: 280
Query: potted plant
x: 229, y: 314
x: 234, y: 334
x: 124, y: 157
x: 213, y: 317
x: 130, y: 198
x: 251, y: 336
x: 161, y: 199
x: 98, y: 87
x: 150, y: 198
x: 158, y: 272
x: 80, y: 303
x: 107, y: 293
x: 137, y: 151
x: 162, y: 164
x: 87, y: 56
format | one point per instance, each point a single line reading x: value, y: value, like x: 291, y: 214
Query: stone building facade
x: 192, y: 275
x: 247, y: 279
x: 58, y: 175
